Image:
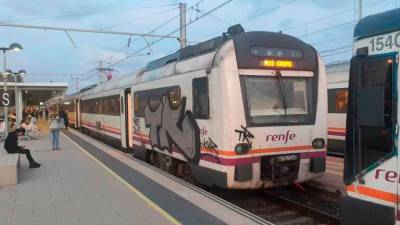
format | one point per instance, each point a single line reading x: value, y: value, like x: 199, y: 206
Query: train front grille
x: 280, y: 169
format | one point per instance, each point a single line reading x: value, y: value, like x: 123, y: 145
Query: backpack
x: 55, y: 124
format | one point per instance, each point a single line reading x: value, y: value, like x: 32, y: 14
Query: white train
x: 337, y: 76
x: 371, y: 165
x: 244, y: 110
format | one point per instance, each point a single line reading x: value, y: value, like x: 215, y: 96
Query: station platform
x: 88, y: 182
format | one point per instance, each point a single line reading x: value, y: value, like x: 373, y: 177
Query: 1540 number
x: 389, y: 41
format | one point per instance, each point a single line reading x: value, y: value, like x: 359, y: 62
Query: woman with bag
x: 55, y: 126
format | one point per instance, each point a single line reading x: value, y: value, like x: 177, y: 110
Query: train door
x: 128, y: 119
x: 122, y: 119
x: 371, y: 163
x: 77, y: 113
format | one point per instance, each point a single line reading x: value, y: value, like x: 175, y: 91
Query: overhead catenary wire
x: 158, y: 40
x: 148, y: 45
x: 154, y: 29
x: 139, y: 18
x: 267, y: 11
x: 88, y: 13
x: 85, y: 30
x: 331, y: 16
x: 337, y: 53
x: 253, y: 17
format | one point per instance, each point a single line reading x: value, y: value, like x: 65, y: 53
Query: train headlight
x: 242, y: 148
x: 318, y: 143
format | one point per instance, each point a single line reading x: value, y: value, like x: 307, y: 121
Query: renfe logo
x: 281, y: 137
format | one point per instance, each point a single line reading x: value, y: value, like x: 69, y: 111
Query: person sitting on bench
x: 11, y: 146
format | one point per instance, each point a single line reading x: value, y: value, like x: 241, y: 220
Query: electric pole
x: 182, y: 37
x: 359, y: 10
x: 102, y: 71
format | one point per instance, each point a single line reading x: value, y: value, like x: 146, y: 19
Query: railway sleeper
x: 304, y: 220
x: 282, y: 216
x: 267, y: 211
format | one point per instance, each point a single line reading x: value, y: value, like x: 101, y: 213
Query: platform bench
x: 9, y: 164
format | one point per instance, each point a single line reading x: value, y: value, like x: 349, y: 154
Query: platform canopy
x: 34, y: 93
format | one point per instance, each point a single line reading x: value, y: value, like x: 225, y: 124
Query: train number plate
x: 285, y: 158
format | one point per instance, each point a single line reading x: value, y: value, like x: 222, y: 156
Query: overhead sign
x: 272, y: 63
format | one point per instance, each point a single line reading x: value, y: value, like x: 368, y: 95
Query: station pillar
x: 19, y: 106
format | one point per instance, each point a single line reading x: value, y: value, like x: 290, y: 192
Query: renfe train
x: 337, y: 76
x: 371, y: 168
x: 244, y: 110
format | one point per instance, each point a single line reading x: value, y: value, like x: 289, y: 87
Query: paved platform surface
x: 88, y: 182
x: 72, y: 189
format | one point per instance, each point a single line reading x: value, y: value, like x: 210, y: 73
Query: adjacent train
x: 244, y: 110
x: 371, y: 166
x: 337, y: 76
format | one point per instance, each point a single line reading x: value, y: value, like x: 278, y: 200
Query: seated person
x: 23, y: 127
x: 33, y: 130
x: 11, y: 146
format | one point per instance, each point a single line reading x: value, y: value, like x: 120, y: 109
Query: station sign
x: 7, y: 98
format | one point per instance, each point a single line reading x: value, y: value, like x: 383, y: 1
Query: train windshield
x: 278, y: 100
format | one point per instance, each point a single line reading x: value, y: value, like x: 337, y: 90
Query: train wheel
x: 154, y: 159
x: 168, y: 164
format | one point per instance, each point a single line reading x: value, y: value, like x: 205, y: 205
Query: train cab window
x: 376, y: 126
x: 200, y: 98
x: 174, y: 96
x: 341, y: 101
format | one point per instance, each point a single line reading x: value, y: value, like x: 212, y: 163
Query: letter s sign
x: 6, y: 99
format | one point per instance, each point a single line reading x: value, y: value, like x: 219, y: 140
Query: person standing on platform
x: 55, y: 126
x: 11, y: 146
x: 46, y: 113
x: 65, y: 114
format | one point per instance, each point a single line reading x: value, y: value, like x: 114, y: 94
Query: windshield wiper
x: 282, y: 90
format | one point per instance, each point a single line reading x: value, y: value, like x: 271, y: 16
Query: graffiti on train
x: 245, y: 135
x: 173, y: 127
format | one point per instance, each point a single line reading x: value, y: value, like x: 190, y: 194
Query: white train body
x: 372, y: 163
x: 244, y: 112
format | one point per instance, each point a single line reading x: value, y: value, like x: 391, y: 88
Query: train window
x: 136, y: 103
x: 174, y: 96
x: 337, y: 100
x: 153, y: 98
x: 200, y: 98
x: 341, y: 101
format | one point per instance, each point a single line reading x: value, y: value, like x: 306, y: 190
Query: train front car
x: 274, y: 111
x: 246, y: 110
x: 371, y: 157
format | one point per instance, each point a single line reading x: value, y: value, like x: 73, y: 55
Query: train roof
x: 203, y: 55
x: 113, y: 85
x: 380, y: 23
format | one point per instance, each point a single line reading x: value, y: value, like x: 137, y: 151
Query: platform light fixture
x: 12, y: 47
x: 15, y: 75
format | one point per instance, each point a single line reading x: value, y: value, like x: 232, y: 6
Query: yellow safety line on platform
x: 133, y: 189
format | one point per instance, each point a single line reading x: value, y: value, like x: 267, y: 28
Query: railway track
x: 278, y: 206
x: 278, y: 209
